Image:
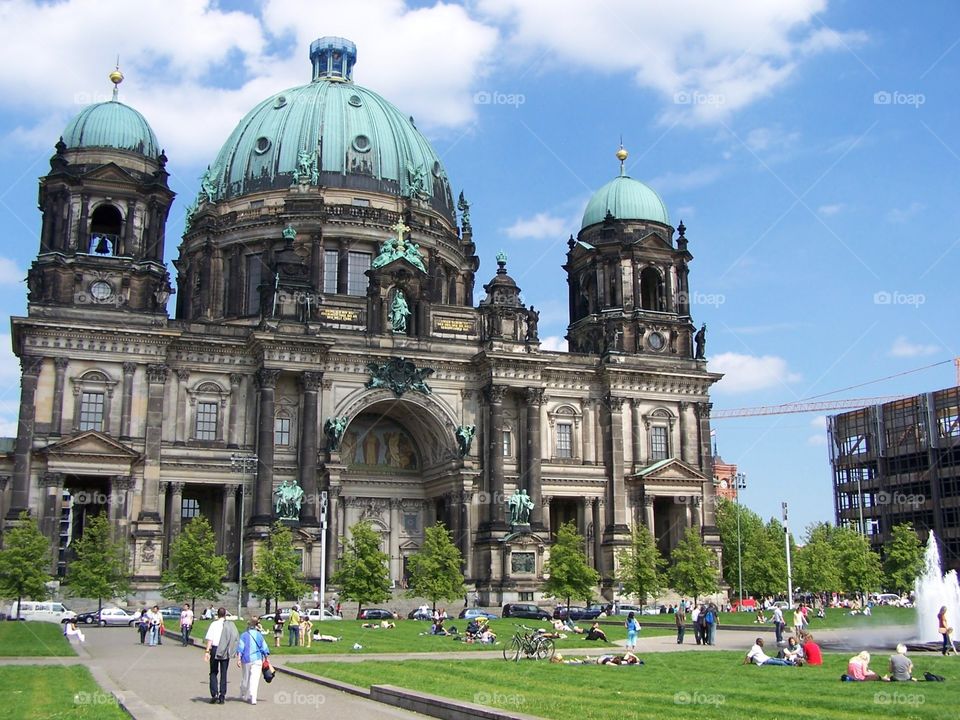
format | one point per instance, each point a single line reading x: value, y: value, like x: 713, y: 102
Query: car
x: 782, y: 604
x: 47, y: 611
x: 525, y: 610
x: 577, y: 612
x: 624, y: 609
x: 112, y: 616
x: 420, y: 613
x: 313, y: 614
x: 171, y: 612
x: 376, y: 614
x: 650, y: 610
x: 891, y: 599
x: 472, y: 613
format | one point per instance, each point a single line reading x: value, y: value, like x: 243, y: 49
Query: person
x: 633, y: 627
x: 858, y: 668
x: 143, y: 624
x: 186, y: 623
x: 320, y: 637
x: 306, y: 629
x: 437, y: 627
x: 251, y: 652
x: 944, y: 629
x: 821, y: 612
x: 628, y: 658
x: 811, y: 651
x: 277, y: 628
x: 761, y: 618
x: 681, y: 620
x: 221, y: 640
x: 756, y: 656
x: 596, y: 633
x: 778, y: 623
x: 73, y: 632
x: 792, y: 651
x: 711, y: 624
x: 208, y: 613
x: 293, y: 627
x: 154, y: 620
x: 695, y: 620
x: 901, y: 667
x: 799, y: 620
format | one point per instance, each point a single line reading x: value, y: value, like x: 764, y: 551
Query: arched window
x: 651, y: 289
x: 105, y: 226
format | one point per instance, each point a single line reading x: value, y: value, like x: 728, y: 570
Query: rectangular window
x: 564, y: 440
x: 91, y: 411
x: 659, y: 448
x: 253, y: 284
x: 330, y: 271
x: 361, y: 202
x: 948, y: 421
x: 507, y: 443
x: 281, y: 431
x: 189, y: 508
x: 357, y: 265
x: 206, y: 421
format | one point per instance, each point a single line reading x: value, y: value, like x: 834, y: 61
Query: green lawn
x: 39, y: 691
x: 407, y: 638
x: 33, y: 639
x: 685, y: 685
x: 835, y: 618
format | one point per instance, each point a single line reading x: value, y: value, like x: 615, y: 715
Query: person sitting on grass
x: 858, y: 668
x: 901, y: 667
x: 437, y: 627
x: 756, y: 656
x: 596, y: 633
x: 761, y: 618
x: 811, y: 651
x: 792, y: 651
x: 73, y: 633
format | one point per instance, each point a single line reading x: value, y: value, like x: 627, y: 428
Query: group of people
x: 300, y: 632
x: 250, y: 650
x: 795, y: 653
x: 149, y: 623
x: 901, y: 667
x: 704, y: 619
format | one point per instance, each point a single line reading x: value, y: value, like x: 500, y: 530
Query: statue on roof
x: 399, y: 247
x: 700, y: 341
x: 306, y: 171
x: 464, y: 207
x: 208, y: 186
x: 533, y: 319
x: 416, y: 181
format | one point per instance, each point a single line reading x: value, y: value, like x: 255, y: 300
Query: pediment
x: 398, y: 265
x: 672, y: 470
x: 654, y: 239
x: 110, y: 172
x: 91, y: 443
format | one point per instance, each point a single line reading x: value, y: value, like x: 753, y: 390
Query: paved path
x: 171, y: 681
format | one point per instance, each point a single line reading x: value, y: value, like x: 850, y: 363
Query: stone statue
x: 464, y: 435
x: 399, y: 312
x: 533, y: 319
x: 306, y: 171
x: 334, y: 427
x: 417, y: 180
x: 208, y: 186
x: 289, y: 495
x: 396, y: 248
x: 464, y: 207
x: 700, y: 340
x: 519, y: 505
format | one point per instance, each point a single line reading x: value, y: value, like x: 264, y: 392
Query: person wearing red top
x: 811, y: 652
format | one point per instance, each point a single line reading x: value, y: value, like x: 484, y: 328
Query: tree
x: 815, y: 566
x: 904, y: 560
x: 24, y: 562
x: 641, y: 566
x: 277, y: 568
x: 569, y: 574
x: 693, y: 567
x: 196, y: 570
x: 860, y: 569
x: 765, y: 561
x: 435, y: 569
x: 363, y: 574
x: 750, y: 526
x: 99, y: 567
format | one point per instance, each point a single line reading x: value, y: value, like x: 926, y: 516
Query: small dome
x: 625, y: 199
x: 111, y: 125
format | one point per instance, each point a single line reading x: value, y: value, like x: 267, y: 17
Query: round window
x: 361, y: 143
x: 355, y: 101
x: 279, y: 102
x: 656, y: 341
x: 101, y: 290
x: 263, y: 144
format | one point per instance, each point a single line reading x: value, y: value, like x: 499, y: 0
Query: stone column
x: 336, y: 526
x: 613, y: 452
x: 120, y: 487
x: 636, y: 433
x: 126, y: 399
x: 236, y: 398
x: 598, y: 522
x: 51, y: 487
x: 149, y: 503
x: 263, y: 514
x: 30, y: 367
x: 4, y: 481
x: 582, y: 523
x: 467, y: 534
x: 183, y: 375
x: 230, y: 536
x: 648, y: 514
x: 546, y: 515
x: 176, y: 508
x: 695, y: 510
x: 396, y: 564
x: 495, y: 395
x: 56, y: 418
x: 309, y: 430
x: 589, y: 451
x: 534, y: 397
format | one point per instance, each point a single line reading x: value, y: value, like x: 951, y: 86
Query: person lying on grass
x: 624, y: 659
x: 319, y: 637
x: 382, y: 625
x: 756, y: 656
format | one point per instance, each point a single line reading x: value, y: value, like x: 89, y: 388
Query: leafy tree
x: 277, y: 568
x: 24, y: 562
x: 693, y: 567
x: 750, y: 526
x: 860, y: 569
x: 816, y: 567
x: 904, y: 558
x: 363, y: 574
x: 569, y: 574
x: 196, y: 571
x: 99, y: 567
x: 435, y: 570
x: 765, y: 562
x: 641, y: 566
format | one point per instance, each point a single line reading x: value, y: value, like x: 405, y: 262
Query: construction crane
x: 803, y: 407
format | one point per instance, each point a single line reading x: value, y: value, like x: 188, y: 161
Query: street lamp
x: 323, y: 552
x: 739, y: 483
x: 786, y: 540
x: 243, y: 463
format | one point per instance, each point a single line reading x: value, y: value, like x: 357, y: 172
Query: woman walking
x: 251, y: 652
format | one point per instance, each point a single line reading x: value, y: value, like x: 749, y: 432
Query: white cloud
x: 746, y: 373
x: 541, y: 226
x: 831, y: 209
x: 906, y: 349
x: 819, y: 438
x: 904, y: 215
x: 681, y: 181
x: 11, y: 273
x: 764, y: 139
x: 553, y: 342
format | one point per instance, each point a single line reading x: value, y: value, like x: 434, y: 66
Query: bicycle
x: 530, y: 644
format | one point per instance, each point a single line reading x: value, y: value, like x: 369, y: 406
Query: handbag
x: 265, y: 667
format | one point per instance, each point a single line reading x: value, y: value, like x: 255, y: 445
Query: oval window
x: 437, y: 169
x: 361, y: 143
x: 263, y: 144
x: 355, y: 101
x: 279, y: 102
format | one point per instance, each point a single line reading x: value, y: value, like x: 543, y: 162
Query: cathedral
x: 325, y: 361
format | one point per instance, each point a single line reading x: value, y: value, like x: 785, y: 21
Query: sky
x: 812, y: 149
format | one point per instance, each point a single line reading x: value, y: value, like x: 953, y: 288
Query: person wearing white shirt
x: 186, y: 623
x: 758, y: 657
x: 221, y: 639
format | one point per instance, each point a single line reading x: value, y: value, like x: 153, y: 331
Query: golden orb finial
x: 622, y: 154
x: 116, y: 77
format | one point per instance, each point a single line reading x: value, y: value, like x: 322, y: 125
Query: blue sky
x: 812, y: 148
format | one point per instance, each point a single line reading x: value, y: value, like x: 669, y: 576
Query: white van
x: 48, y: 611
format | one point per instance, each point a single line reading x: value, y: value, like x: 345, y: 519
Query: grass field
x: 684, y: 685
x: 406, y: 637
x: 34, y: 691
x: 835, y: 618
x: 33, y: 639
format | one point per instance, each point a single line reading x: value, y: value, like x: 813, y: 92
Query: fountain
x: 933, y: 591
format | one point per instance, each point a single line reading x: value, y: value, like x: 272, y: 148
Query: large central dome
x: 341, y: 134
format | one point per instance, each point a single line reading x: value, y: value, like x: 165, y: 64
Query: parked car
x: 525, y: 610
x: 472, y: 613
x: 420, y: 614
x: 171, y: 612
x: 47, y: 611
x: 624, y: 609
x: 112, y: 616
x: 892, y: 599
x: 314, y: 615
x: 578, y: 612
x: 376, y: 614
x: 650, y: 610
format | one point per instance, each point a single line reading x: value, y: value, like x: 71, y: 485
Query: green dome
x: 111, y: 125
x: 625, y: 199
x: 334, y: 133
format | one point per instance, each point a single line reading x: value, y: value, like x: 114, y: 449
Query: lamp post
x: 739, y: 483
x: 242, y: 463
x: 323, y: 553
x: 786, y: 540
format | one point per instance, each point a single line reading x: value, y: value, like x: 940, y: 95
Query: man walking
x: 186, y: 623
x: 221, y: 638
x: 681, y: 617
x: 778, y: 623
x: 695, y: 619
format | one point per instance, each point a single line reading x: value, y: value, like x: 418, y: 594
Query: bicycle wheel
x: 512, y: 651
x: 545, y: 649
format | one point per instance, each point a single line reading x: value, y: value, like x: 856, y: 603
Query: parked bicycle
x: 527, y: 642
